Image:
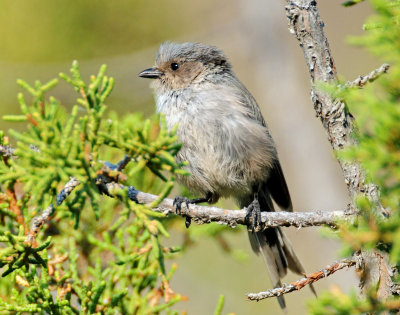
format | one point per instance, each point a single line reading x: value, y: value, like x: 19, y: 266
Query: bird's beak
x: 151, y: 73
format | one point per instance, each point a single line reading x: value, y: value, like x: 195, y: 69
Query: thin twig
x: 370, y: 77
x: 299, y: 284
x: 121, y: 164
x: 72, y: 183
x: 48, y: 213
x: 38, y: 222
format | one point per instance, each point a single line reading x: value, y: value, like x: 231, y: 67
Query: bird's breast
x: 227, y: 152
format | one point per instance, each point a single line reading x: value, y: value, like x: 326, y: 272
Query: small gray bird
x: 225, y: 140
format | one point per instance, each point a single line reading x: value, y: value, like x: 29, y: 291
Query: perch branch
x: 299, y: 284
x: 107, y: 183
x: 110, y: 174
x: 232, y: 218
x: 207, y: 214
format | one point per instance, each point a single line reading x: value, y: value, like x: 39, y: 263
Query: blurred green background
x: 39, y: 39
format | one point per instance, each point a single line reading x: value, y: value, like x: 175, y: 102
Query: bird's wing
x: 276, y: 183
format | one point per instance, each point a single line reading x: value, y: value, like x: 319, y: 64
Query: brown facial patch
x: 184, y: 75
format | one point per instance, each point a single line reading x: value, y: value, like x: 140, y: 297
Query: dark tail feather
x: 266, y: 244
x: 276, y: 249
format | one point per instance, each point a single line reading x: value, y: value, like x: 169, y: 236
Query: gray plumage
x: 225, y: 140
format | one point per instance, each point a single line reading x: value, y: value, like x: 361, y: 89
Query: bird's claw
x: 188, y: 221
x: 178, y: 202
x: 253, y: 216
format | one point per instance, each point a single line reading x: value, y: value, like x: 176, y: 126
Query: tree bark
x: 307, y: 26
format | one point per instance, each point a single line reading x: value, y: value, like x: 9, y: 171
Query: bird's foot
x: 178, y: 202
x: 253, y: 216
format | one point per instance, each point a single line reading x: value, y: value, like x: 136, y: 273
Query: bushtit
x: 225, y: 140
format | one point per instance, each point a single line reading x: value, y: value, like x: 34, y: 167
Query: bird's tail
x: 276, y: 249
x: 278, y: 255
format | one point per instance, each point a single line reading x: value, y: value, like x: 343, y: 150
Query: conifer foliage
x: 65, y: 247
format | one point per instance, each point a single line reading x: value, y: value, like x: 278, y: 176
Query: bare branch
x: 107, y: 184
x: 121, y: 164
x: 207, y: 214
x: 48, y: 213
x: 110, y: 174
x: 68, y: 188
x: 299, y: 284
x: 37, y: 224
x: 370, y: 77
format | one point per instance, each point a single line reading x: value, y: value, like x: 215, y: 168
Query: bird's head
x: 180, y: 65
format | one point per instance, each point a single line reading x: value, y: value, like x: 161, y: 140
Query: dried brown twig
x: 299, y: 284
x: 14, y: 207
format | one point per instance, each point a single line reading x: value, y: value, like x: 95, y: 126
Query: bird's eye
x: 174, y: 66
